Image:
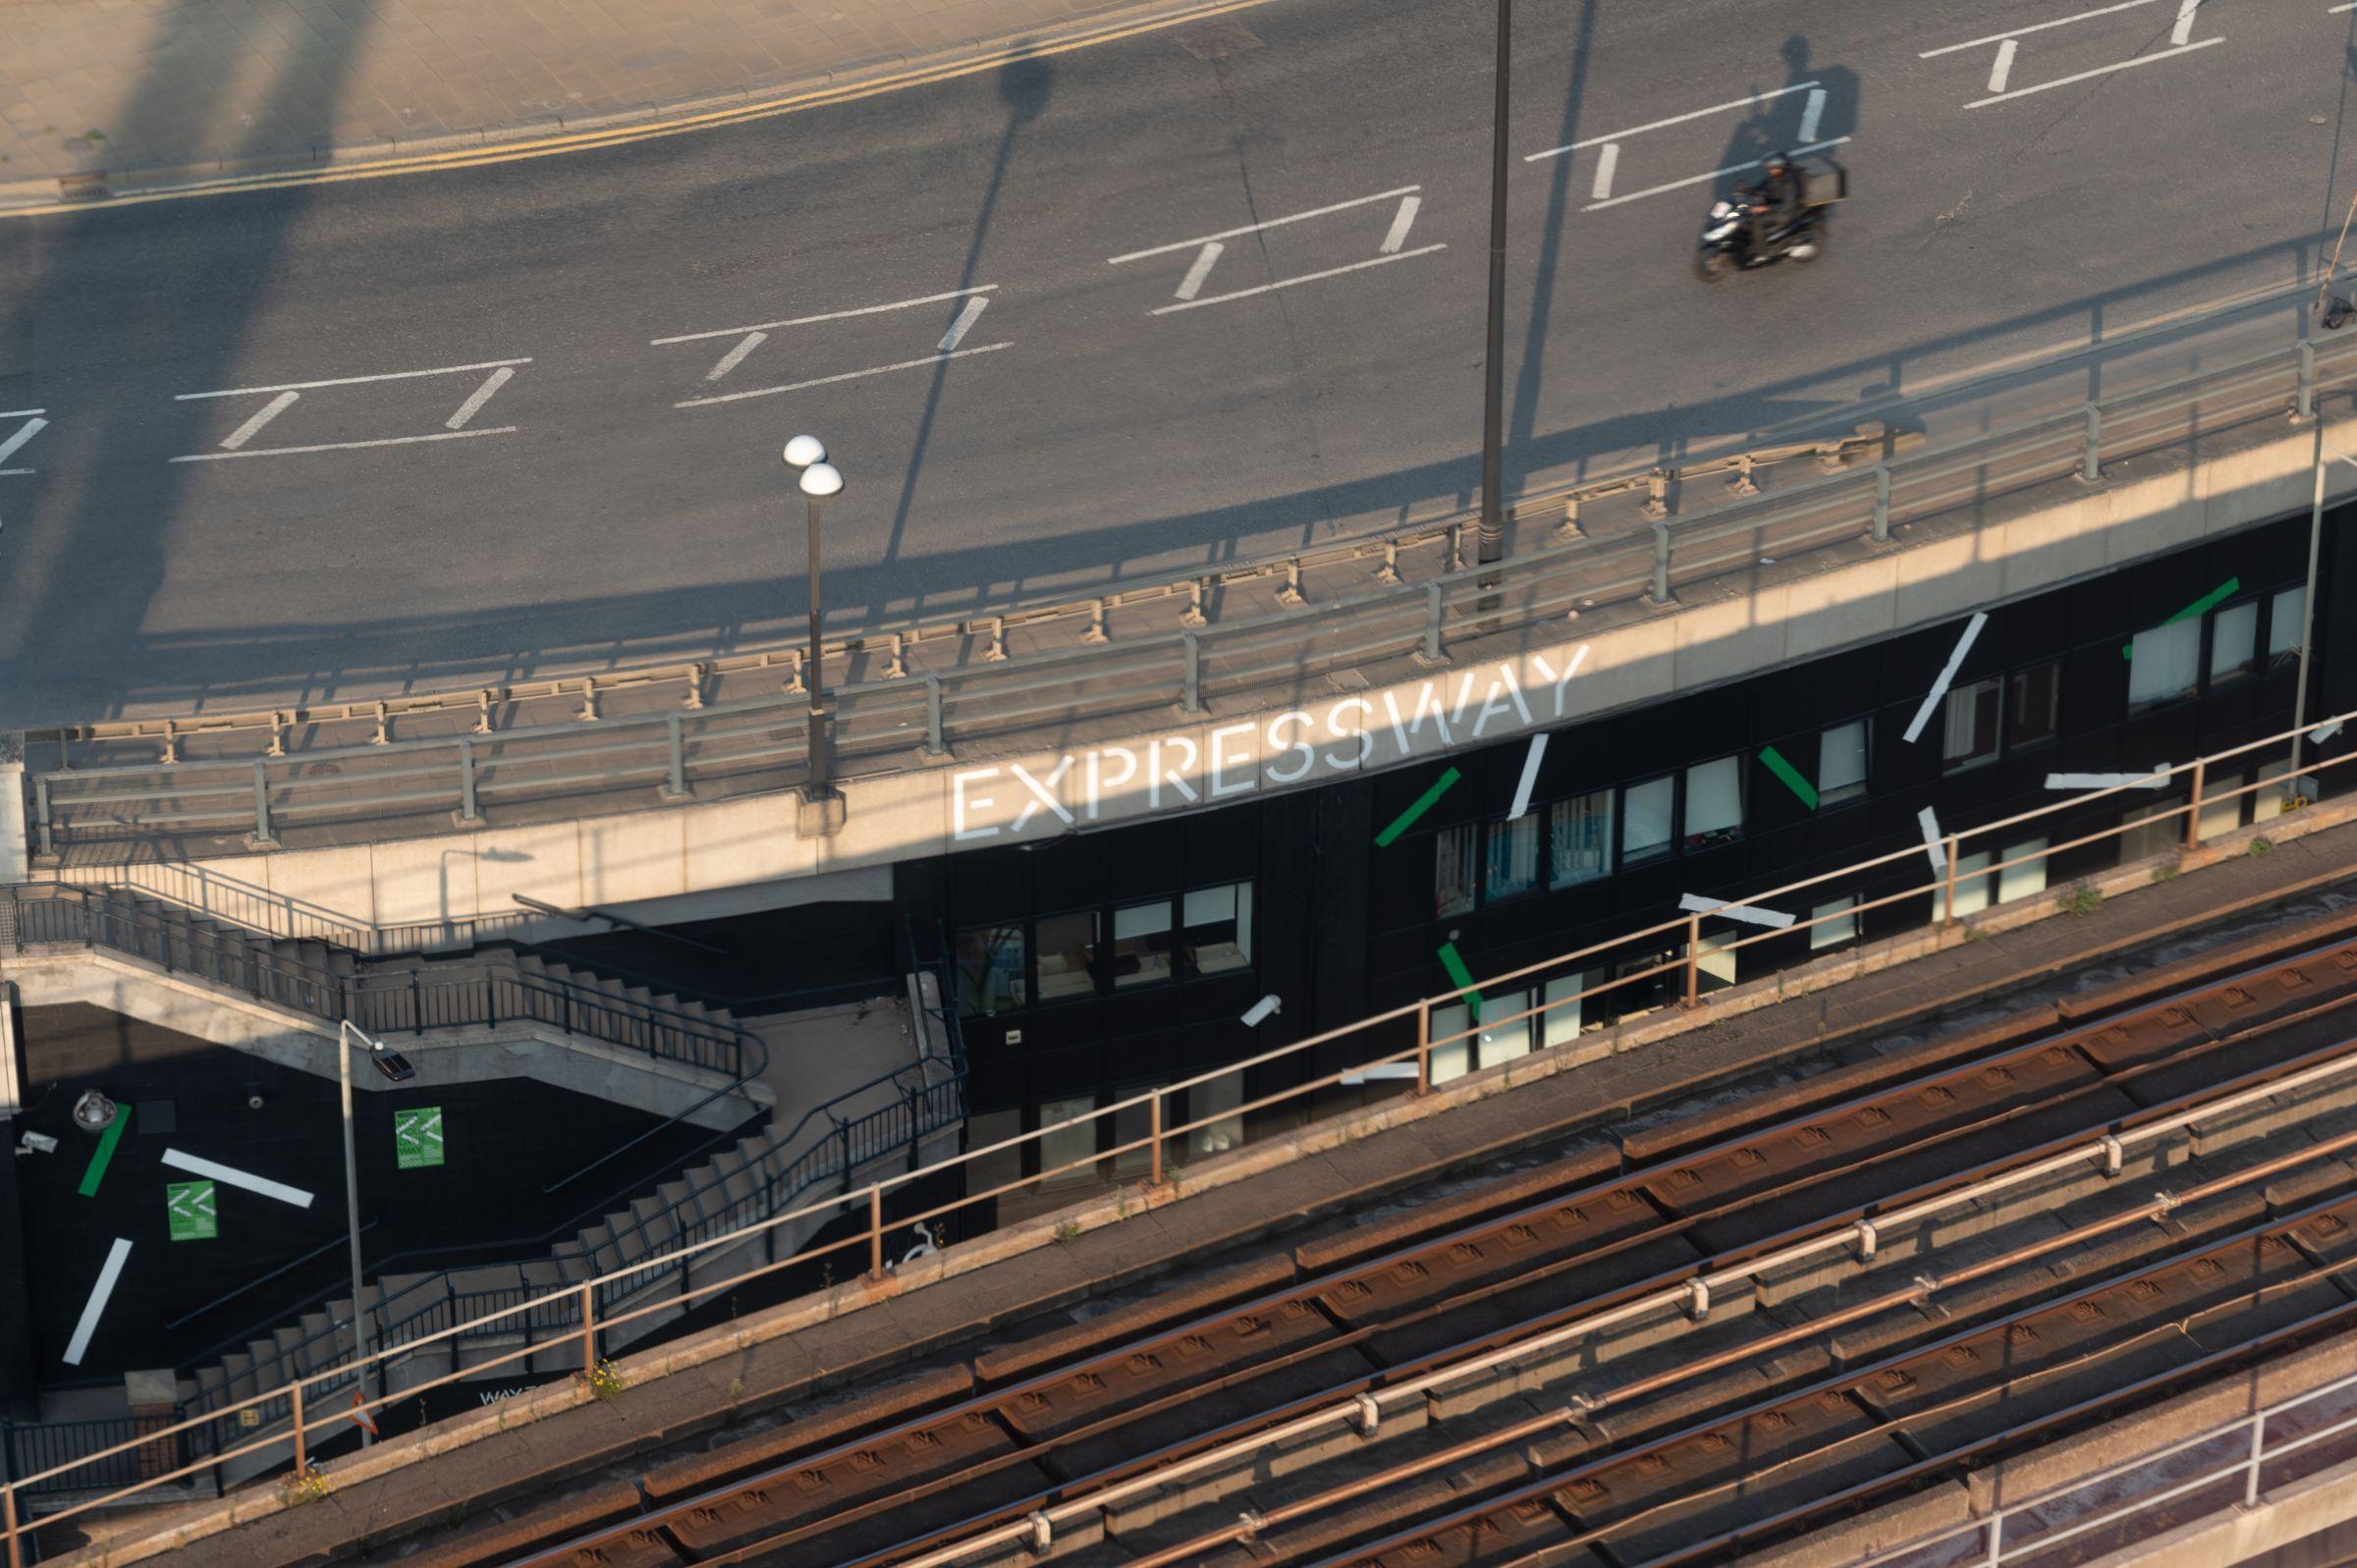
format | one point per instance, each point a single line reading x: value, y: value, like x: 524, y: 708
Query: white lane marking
x: 8, y: 449
x: 1694, y: 904
x: 1704, y: 178
x: 1255, y: 228
x: 1530, y: 777
x: 1192, y: 283
x: 108, y: 1272
x: 2183, y: 31
x: 1932, y: 845
x: 736, y: 356
x: 1608, y: 163
x: 482, y: 394
x: 14, y: 472
x: 2002, y: 72
x: 347, y: 381
x: 1749, y: 100
x: 1308, y: 277
x: 231, y: 1175
x: 343, y: 445
x: 254, y: 426
x: 1390, y: 1069
x: 2107, y: 780
x: 1405, y: 220
x: 965, y: 323
x: 2086, y: 76
x: 1812, y: 114
x: 847, y: 375
x: 19, y: 413
x: 830, y: 315
x: 2335, y: 11
x: 1947, y: 672
x: 2035, y: 27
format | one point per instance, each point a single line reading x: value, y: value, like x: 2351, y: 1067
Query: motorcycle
x: 1726, y: 244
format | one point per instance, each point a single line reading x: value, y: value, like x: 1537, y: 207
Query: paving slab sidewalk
x: 148, y: 90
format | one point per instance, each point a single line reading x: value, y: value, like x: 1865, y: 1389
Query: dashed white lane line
x: 1947, y: 674
x: 736, y: 356
x: 1530, y: 777
x: 32, y: 427
x: 254, y: 426
x: 1255, y: 228
x: 2002, y: 72
x: 1748, y: 102
x: 2183, y: 31
x: 847, y: 375
x: 1703, y: 179
x: 20, y: 414
x: 482, y: 394
x: 965, y: 323
x: 828, y: 315
x: 2335, y: 11
x: 1607, y: 164
x: 2035, y: 27
x: 1812, y: 115
x: 92, y: 1310
x: 343, y: 445
x: 232, y: 1176
x: 347, y: 381
x: 1192, y: 283
x: 2088, y: 76
x: 1401, y: 221
x: 1308, y: 277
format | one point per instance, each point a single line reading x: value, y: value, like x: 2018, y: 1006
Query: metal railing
x: 1170, y: 1117
x: 759, y: 743
x: 456, y: 993
x: 133, y: 1448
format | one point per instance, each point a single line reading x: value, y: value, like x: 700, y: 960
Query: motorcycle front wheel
x: 1712, y: 265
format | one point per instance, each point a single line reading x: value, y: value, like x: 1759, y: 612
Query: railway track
x: 1669, y: 1349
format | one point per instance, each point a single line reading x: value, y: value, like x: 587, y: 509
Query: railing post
x: 262, y: 837
x: 2249, y: 1486
x: 935, y: 746
x: 467, y: 810
x: 2307, y: 403
x: 675, y: 785
x: 1432, y: 623
x: 1948, y: 906
x: 1423, y: 1047
x: 1661, y: 565
x: 1882, y: 502
x: 2091, y: 467
x: 588, y: 1330
x: 8, y: 1519
x: 1693, y: 959
x: 1996, y: 1537
x: 2193, y: 817
x: 1154, y: 1131
x: 1191, y: 696
x: 875, y: 1229
x: 302, y: 1462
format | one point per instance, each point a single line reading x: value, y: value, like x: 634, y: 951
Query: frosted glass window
x: 1972, y: 886
x: 2272, y: 801
x: 2283, y: 624
x: 1645, y: 820
x: 1834, y: 932
x: 1219, y: 928
x: 1841, y: 763
x: 2162, y: 663
x: 2221, y: 816
x: 1453, y: 1041
x: 2233, y: 642
x: 1214, y: 1103
x: 1561, y: 1020
x: 2021, y: 881
x: 1968, y: 729
x: 1714, y: 802
x: 1066, y: 1137
x: 1714, y: 964
x: 1583, y: 837
x: 1453, y: 883
x: 1501, y: 1037
x: 1141, y: 943
x: 2153, y: 833
x: 1514, y: 867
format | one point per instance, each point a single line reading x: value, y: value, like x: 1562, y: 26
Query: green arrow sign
x: 188, y: 1211
x: 418, y: 1137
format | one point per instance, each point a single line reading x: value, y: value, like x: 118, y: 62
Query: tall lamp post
x: 1492, y: 538
x: 822, y: 807
x: 394, y: 1066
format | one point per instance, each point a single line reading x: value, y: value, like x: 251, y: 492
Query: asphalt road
x: 168, y: 550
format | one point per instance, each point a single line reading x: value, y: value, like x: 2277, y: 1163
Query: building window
x: 1068, y: 954
x: 1068, y: 1135
x: 2221, y: 816
x: 2034, y: 705
x: 1645, y: 820
x: 1141, y: 943
x: 1970, y: 731
x: 2283, y: 627
x: 1841, y: 763
x: 990, y: 969
x: 1219, y: 928
x: 2164, y: 662
x: 1502, y: 1035
x: 1514, y: 857
x: 1837, y: 922
x: 2234, y: 642
x: 2154, y: 830
x: 1561, y: 1020
x: 2020, y: 881
x: 1583, y: 837
x: 1972, y: 886
x: 1452, y: 885
x: 1714, y: 803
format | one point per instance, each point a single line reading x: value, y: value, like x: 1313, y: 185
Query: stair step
x: 658, y: 1226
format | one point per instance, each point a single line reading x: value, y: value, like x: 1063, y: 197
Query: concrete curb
x: 527, y: 138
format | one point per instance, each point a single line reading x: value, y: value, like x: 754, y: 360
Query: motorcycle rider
x: 1773, y: 204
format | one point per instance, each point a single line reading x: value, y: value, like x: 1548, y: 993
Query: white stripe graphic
x: 1695, y: 904
x: 347, y: 381
x: 1752, y: 101
x: 2183, y: 31
x: 2086, y: 76
x: 736, y: 356
x: 1811, y: 114
x: 2035, y: 27
x: 2002, y: 71
x: 965, y: 323
x: 482, y: 394
x: 2330, y: 727
x: 1402, y: 222
x: 1530, y: 777
x: 1192, y: 283
x: 847, y: 375
x: 1947, y: 672
x: 1308, y: 277
x: 2107, y: 780
x: 803, y: 321
x: 1255, y: 228
x: 1395, y: 1069
x: 1607, y: 164
x: 230, y: 1175
x: 343, y: 445
x: 1932, y: 845
x: 1704, y: 179
x: 34, y: 427
x: 254, y: 426
x: 92, y: 1308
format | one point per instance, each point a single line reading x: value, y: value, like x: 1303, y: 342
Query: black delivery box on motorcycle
x: 1823, y: 181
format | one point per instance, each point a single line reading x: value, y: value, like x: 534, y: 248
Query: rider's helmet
x: 1776, y: 165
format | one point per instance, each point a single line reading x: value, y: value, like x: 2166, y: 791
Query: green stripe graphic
x: 1791, y: 775
x: 106, y: 1152
x: 2200, y: 607
x: 1462, y: 978
x: 1408, y: 819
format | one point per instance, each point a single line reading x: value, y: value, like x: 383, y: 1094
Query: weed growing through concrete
x: 604, y: 1382
x: 1975, y: 933
x: 2260, y: 847
x: 2080, y: 900
x: 305, y: 1486
x: 1067, y: 1232
x: 2168, y: 870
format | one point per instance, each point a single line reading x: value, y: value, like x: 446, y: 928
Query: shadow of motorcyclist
x: 1819, y: 101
